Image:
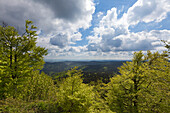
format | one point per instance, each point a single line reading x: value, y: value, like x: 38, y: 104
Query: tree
x: 142, y: 86
x: 20, y: 56
x: 38, y: 87
x: 73, y: 95
x: 167, y: 45
x: 156, y: 95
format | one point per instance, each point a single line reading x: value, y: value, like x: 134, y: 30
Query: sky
x: 92, y: 29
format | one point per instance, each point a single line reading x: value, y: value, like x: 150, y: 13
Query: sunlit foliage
x: 142, y: 86
x: 19, y: 55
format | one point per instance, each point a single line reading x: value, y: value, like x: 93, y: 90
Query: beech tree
x: 38, y: 87
x: 167, y: 45
x: 73, y: 95
x: 142, y: 86
x: 19, y: 55
x: 156, y: 95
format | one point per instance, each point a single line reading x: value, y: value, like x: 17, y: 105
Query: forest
x: 91, y: 70
x: 141, y: 85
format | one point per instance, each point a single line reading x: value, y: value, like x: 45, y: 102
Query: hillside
x: 85, y: 66
x: 92, y: 70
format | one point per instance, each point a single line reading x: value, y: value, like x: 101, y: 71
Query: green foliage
x: 19, y: 55
x: 167, y: 45
x: 11, y: 105
x: 100, y: 105
x: 38, y: 87
x: 142, y: 86
x: 158, y: 95
x: 73, y: 95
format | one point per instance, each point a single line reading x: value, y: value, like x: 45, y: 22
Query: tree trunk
x: 136, y: 96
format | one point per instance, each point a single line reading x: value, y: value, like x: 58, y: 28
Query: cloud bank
x: 52, y: 17
x: 113, y: 34
x: 60, y: 23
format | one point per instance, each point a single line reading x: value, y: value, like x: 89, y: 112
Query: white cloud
x: 52, y: 17
x: 147, y: 11
x: 76, y: 37
x: 109, y: 28
x: 112, y: 38
x: 59, y: 40
x: 99, y: 14
x: 15, y: 12
x: 121, y: 10
x: 112, y: 34
x: 60, y: 20
x: 123, y: 46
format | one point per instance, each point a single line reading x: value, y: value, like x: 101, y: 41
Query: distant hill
x: 85, y: 66
x: 91, y: 69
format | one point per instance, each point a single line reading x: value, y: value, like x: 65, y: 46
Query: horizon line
x: 83, y: 60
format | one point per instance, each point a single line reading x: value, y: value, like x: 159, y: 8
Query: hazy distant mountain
x: 86, y: 66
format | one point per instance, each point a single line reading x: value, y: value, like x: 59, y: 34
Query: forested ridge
x: 141, y: 85
x: 92, y: 70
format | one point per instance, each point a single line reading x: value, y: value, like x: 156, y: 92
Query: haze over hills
x: 107, y: 67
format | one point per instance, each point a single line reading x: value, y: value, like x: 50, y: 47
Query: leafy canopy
x: 19, y: 56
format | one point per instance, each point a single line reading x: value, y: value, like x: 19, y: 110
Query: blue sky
x: 93, y: 29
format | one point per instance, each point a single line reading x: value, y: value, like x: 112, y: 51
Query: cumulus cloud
x: 59, y: 40
x: 51, y: 16
x: 99, y: 14
x: 15, y: 12
x: 108, y: 43
x: 147, y: 11
x: 112, y: 34
x: 111, y: 37
x: 92, y: 47
x: 136, y: 42
x: 104, y: 35
x: 76, y: 37
x: 77, y: 49
x: 143, y: 40
x: 71, y: 10
x: 60, y: 20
